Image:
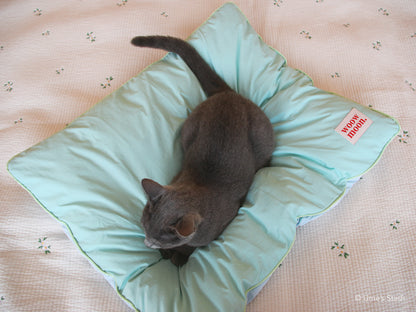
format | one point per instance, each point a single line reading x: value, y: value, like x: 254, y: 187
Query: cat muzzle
x: 151, y: 244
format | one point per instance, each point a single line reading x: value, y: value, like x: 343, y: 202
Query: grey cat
x: 225, y: 140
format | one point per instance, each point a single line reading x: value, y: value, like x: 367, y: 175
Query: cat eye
x: 173, y: 224
x: 172, y: 228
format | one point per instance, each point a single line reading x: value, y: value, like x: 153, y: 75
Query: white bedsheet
x: 58, y: 58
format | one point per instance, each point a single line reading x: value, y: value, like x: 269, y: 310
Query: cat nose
x: 151, y: 244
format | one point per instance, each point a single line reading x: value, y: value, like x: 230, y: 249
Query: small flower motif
x: 277, y: 3
x: 346, y: 25
x: 46, y: 33
x: 413, y: 36
x: 336, y: 75
x: 377, y: 45
x: 340, y: 250
x: 318, y: 1
x: 20, y: 120
x: 59, y: 71
x: 395, y: 224
x: 91, y: 36
x: 107, y: 83
x: 37, y: 12
x: 2, y: 298
x: 8, y: 86
x: 43, y: 245
x: 410, y: 85
x: 122, y: 3
x: 164, y: 14
x: 384, y: 12
x: 403, y: 137
x: 306, y: 34
x: 1, y: 48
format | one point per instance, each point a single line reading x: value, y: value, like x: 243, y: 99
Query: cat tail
x: 211, y: 83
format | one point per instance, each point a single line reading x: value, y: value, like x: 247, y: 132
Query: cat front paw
x: 179, y: 259
x: 166, y: 253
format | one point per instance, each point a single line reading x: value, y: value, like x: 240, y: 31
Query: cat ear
x: 188, y: 224
x: 152, y: 188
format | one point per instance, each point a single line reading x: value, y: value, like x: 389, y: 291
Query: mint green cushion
x: 88, y: 175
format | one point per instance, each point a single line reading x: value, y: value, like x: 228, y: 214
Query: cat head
x: 168, y: 218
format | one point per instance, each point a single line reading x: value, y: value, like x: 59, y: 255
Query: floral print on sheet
x: 410, y: 84
x: 394, y: 225
x: 403, y: 137
x: 384, y: 12
x: 107, y: 83
x: 122, y: 3
x: 340, y: 249
x: 91, y: 36
x: 277, y: 3
x: 377, y: 45
x: 20, y: 120
x: 8, y: 86
x: 44, y: 245
x: 37, y: 12
x: 59, y: 71
x: 306, y: 34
